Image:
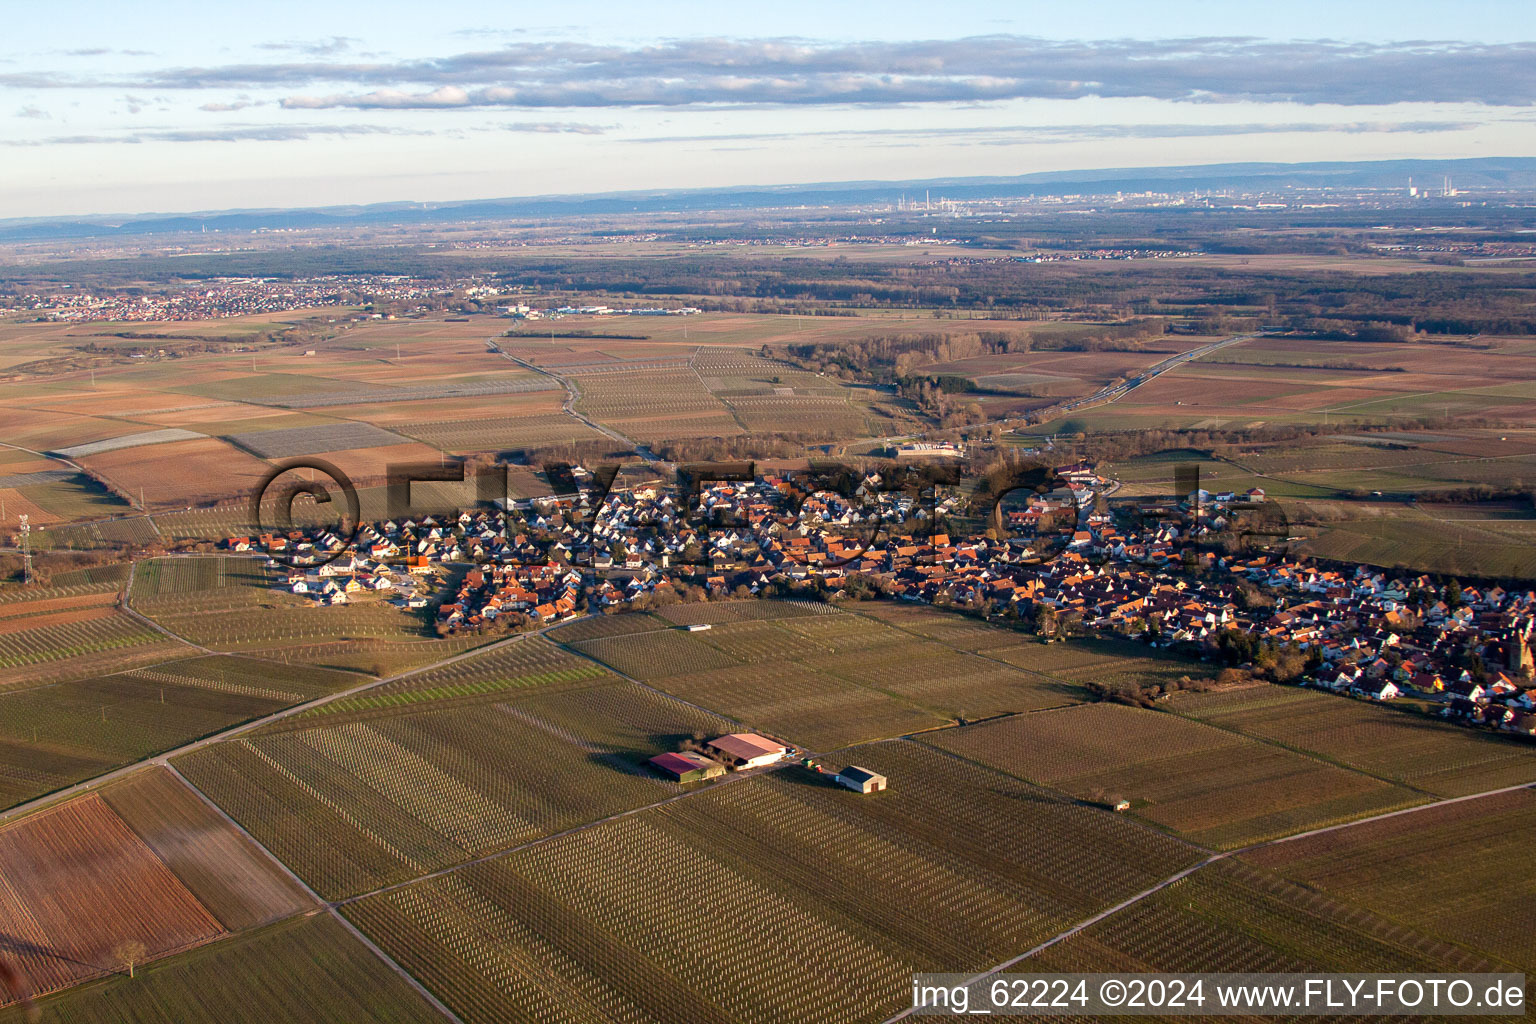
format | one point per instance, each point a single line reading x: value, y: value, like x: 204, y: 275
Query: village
x: 1068, y: 562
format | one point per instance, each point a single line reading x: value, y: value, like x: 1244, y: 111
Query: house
x: 1521, y: 722
x: 748, y: 748
x: 1379, y: 689
x: 861, y: 780
x: 687, y: 766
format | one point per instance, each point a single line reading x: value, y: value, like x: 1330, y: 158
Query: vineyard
x: 954, y: 683
x: 1118, y: 665
x: 1213, y: 786
x: 599, y: 626
x: 796, y: 701
x: 656, y: 655
x: 314, y: 440
x: 372, y: 657
x: 363, y: 800
x: 287, y: 621
x: 56, y: 735
x: 191, y: 581
x: 103, y: 886
x: 1415, y: 750
x: 328, y: 977
x: 841, y: 632
x: 625, y: 921
x: 110, y: 632
x: 957, y: 631
x: 1230, y: 917
x: 114, y: 574
x: 651, y: 405
x: 210, y: 524
x: 1397, y: 868
x: 737, y: 611
x: 823, y: 677
x: 23, y: 600
x: 519, y: 664
x: 495, y: 433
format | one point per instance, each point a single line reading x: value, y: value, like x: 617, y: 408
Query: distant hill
x: 1516, y: 173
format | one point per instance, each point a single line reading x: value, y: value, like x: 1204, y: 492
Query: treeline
x: 888, y: 358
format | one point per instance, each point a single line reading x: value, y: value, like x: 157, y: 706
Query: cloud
x: 240, y: 133
x: 102, y: 51
x: 556, y: 128
x: 1009, y: 135
x: 532, y: 74
x: 37, y: 113
x: 789, y: 71
x: 223, y: 108
x: 324, y: 48
x: 387, y: 99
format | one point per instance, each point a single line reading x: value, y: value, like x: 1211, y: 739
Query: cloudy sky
x: 168, y: 106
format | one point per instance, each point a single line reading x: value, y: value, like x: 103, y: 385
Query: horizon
x: 1066, y: 176
x: 112, y: 111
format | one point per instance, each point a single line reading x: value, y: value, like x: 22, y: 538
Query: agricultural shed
x: 861, y: 780
x: 749, y: 748
x: 687, y: 766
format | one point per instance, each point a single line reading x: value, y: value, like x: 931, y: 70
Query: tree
x: 129, y: 953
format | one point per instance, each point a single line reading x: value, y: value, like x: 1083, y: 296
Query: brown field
x: 536, y: 403
x: 37, y: 619
x: 238, y: 883
x: 18, y: 504
x: 1463, y: 872
x: 179, y: 473
x: 75, y: 881
x: 11, y: 611
x: 371, y: 463
x: 1213, y: 786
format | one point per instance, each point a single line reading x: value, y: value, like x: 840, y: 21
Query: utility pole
x: 26, y: 549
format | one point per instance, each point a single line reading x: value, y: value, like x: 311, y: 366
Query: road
x: 1114, y: 391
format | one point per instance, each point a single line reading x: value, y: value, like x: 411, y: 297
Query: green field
x: 640, y: 919
x: 325, y: 974
x: 54, y: 735
x: 95, y: 636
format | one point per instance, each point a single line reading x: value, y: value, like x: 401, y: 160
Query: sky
x: 122, y: 108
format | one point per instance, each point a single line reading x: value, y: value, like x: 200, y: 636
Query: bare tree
x: 129, y: 954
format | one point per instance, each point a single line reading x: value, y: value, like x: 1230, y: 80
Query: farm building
x: 861, y: 780
x: 698, y: 627
x: 687, y: 766
x: 750, y: 749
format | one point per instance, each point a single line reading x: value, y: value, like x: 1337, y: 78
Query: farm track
x: 572, y: 396
x: 127, y: 604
